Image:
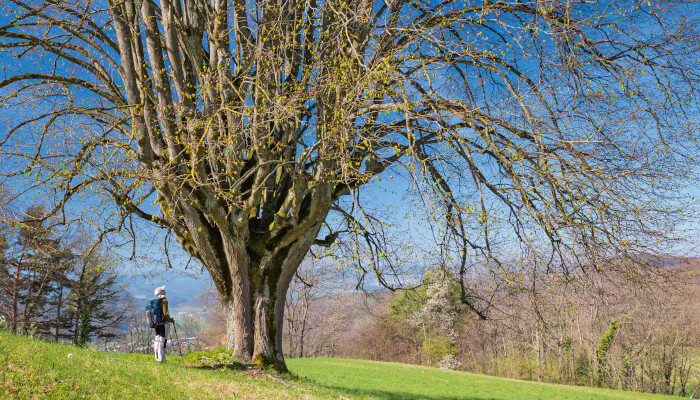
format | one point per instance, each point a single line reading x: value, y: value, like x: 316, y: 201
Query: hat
x: 159, y: 292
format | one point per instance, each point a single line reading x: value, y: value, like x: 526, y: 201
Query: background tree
x: 5, y: 293
x: 313, y: 281
x: 561, y: 125
x: 562, y: 334
x: 95, y: 299
x: 48, y: 287
x: 303, y: 290
x: 436, y: 316
x: 35, y: 266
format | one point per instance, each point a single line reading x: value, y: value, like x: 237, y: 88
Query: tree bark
x: 254, y: 331
x: 268, y: 325
x: 264, y: 352
x: 15, y: 298
x: 255, y: 299
x: 269, y: 315
x: 58, y: 313
x: 239, y: 329
x: 303, y: 329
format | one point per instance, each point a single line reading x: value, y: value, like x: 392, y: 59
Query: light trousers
x: 159, y: 343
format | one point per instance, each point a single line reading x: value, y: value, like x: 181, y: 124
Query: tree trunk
x: 255, y: 333
x: 239, y: 329
x: 303, y: 329
x: 264, y: 351
x: 58, y: 313
x: 291, y: 326
x: 15, y: 296
x: 255, y: 304
x: 268, y: 323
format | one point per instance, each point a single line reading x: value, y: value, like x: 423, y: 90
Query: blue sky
x: 389, y: 197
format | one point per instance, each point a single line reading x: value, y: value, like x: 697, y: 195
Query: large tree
x: 247, y: 122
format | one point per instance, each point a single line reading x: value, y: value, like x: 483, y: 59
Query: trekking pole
x: 177, y: 339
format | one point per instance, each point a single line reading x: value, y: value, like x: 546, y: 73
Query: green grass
x: 378, y: 380
x: 34, y: 369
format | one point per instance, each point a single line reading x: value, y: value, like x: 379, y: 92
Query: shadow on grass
x: 219, y: 367
x: 210, y: 364
x: 397, y: 395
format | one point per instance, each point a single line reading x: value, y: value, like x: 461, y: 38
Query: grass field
x: 33, y: 369
x: 377, y: 380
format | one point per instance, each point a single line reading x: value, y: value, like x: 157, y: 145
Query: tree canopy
x: 521, y: 123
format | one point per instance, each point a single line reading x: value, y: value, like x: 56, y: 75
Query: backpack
x: 154, y: 314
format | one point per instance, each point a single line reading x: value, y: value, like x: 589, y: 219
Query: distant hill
x: 181, y: 289
x: 670, y: 262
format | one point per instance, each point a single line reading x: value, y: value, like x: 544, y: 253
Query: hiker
x: 159, y: 318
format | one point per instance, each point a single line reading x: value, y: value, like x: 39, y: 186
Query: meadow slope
x: 34, y: 369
